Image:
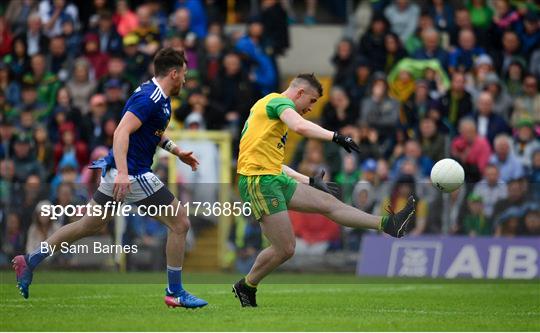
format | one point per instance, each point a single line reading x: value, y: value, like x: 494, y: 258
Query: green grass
x: 287, y: 302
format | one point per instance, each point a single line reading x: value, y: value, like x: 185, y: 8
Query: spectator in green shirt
x: 475, y: 222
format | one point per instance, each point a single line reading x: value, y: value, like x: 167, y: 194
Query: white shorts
x: 142, y: 186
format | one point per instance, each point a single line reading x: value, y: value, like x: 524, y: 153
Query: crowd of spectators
x: 427, y: 80
x: 435, y: 79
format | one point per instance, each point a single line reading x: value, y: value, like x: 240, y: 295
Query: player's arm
x: 129, y: 124
x: 311, y: 130
x: 316, y: 182
x: 184, y: 156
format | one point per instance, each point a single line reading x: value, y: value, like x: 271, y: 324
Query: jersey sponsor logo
x: 283, y: 141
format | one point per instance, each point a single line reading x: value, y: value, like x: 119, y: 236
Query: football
x: 447, y: 175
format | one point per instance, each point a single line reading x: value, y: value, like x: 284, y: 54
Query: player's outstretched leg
x: 310, y: 200
x: 278, y: 230
x: 24, y: 265
x: 178, y: 226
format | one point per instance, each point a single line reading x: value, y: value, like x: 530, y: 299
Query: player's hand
x: 328, y: 187
x: 188, y: 158
x: 122, y: 186
x: 346, y: 142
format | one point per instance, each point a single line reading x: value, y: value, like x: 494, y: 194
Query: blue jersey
x: 153, y: 108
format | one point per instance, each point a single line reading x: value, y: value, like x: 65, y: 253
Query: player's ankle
x: 249, y: 283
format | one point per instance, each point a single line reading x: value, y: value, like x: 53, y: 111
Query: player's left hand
x: 188, y: 158
x: 328, y: 187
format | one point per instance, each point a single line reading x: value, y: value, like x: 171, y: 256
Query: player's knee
x: 180, y: 225
x: 287, y: 251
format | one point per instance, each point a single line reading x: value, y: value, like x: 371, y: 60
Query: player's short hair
x: 310, y: 80
x: 167, y: 59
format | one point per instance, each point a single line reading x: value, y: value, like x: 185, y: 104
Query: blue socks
x: 174, y: 275
x: 36, y: 257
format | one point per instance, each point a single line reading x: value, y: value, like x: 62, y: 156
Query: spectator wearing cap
x: 35, y: 39
x: 338, y: 112
x: 508, y: 223
x: 69, y: 144
x: 471, y: 150
x: 54, y: 13
x: 197, y: 102
x: 431, y: 48
x: 343, y: 62
x: 115, y: 98
x: 124, y: 19
x: 47, y: 83
x: 97, y: 59
x: 462, y: 58
x: 475, y: 222
x: 502, y: 102
x: 359, y: 84
x: 528, y: 31
x: 110, y: 41
x: 372, y: 44
x: 527, y: 106
x: 432, y: 141
x: 116, y: 69
x: 483, y: 65
x: 403, y: 18
x: 260, y: 67
x: 525, y: 142
x: 491, y: 189
x: 25, y: 159
x: 81, y: 86
x: 504, y: 158
x: 489, y: 124
x: 136, y: 61
x: 72, y: 37
x: 379, y: 110
x: 29, y: 101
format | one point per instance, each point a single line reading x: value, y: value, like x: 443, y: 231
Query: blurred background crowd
x: 423, y: 81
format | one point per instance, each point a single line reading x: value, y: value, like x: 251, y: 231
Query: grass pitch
x: 98, y: 301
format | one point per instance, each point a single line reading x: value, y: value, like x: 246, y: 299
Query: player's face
x: 178, y: 79
x: 306, y: 99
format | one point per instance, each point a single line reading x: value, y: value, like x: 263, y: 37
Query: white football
x: 447, y: 175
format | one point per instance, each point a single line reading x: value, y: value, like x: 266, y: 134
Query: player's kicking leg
x: 24, y: 265
x: 178, y: 226
x: 310, y: 200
